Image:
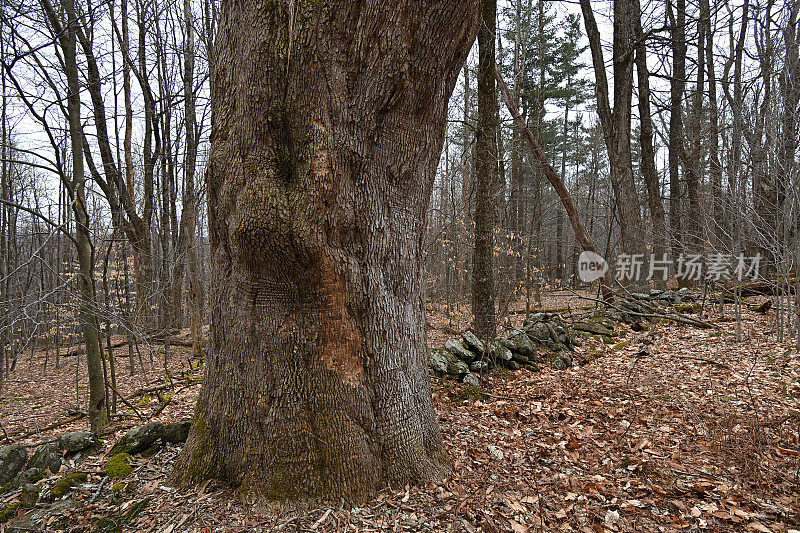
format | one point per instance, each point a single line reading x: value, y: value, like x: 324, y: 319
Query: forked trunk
x: 328, y: 125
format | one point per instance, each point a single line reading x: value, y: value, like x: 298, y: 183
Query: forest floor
x: 697, y: 432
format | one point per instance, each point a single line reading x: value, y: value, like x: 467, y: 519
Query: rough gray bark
x: 98, y: 413
x: 648, y: 153
x: 189, y: 211
x: 735, y: 99
x: 718, y: 227
x: 677, y: 87
x: 483, y: 286
x: 328, y: 125
x: 790, y: 94
x: 616, y: 123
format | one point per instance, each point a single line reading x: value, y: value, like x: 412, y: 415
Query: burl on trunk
x: 328, y: 121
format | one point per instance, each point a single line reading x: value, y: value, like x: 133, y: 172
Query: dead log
x: 764, y: 288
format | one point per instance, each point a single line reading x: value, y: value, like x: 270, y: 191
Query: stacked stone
x: 543, y: 338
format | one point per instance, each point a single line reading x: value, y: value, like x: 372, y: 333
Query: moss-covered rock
x: 151, y: 451
x: 479, y: 365
x: 119, y: 466
x: 31, y: 475
x: 499, y: 353
x: 562, y: 361
x: 77, y: 441
x: 437, y: 361
x: 46, y: 457
x: 595, y: 327
x: 689, y: 308
x: 522, y: 344
x: 124, y: 488
x: 9, y: 511
x: 29, y: 495
x: 471, y: 380
x: 66, y: 483
x: 138, y: 439
x: 177, y: 432
x: 538, y: 332
x: 458, y: 349
x: 445, y: 362
x: 534, y: 318
x: 472, y: 342
x: 12, y: 460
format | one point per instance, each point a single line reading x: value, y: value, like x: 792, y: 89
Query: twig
x: 164, y: 404
x: 54, y: 425
x: 96, y: 494
x: 704, y: 360
x: 126, y: 402
x: 322, y: 519
x: 8, y: 440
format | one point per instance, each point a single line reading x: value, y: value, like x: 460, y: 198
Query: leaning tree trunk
x: 328, y: 125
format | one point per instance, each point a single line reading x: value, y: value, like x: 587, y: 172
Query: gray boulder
x: 535, y: 318
x: 437, y: 361
x: 12, y: 460
x: 457, y: 367
x: 479, y: 365
x: 473, y: 342
x: 455, y: 347
x: 562, y: 361
x: 46, y: 457
x: 670, y: 297
x: 554, y: 336
x: 138, y: 439
x: 508, y: 343
x: 538, y: 332
x: 31, y: 475
x: 177, y: 432
x: 499, y: 353
x: 76, y: 441
x: 522, y: 359
x: 522, y: 344
x: 471, y: 379
x: 512, y: 365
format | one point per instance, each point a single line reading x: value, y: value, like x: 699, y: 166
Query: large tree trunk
x: 189, y: 212
x: 616, y: 124
x: 718, y: 227
x: 328, y: 125
x: 98, y: 413
x: 483, y: 289
x: 677, y: 86
x: 692, y: 157
x: 648, y: 153
x: 790, y: 94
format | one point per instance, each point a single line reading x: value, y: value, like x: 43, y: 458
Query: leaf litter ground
x: 680, y: 429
